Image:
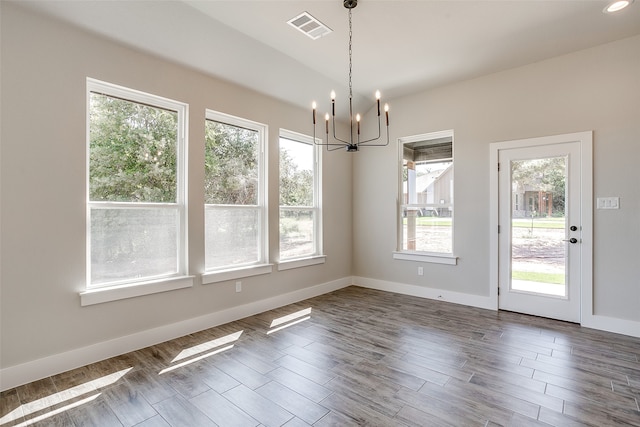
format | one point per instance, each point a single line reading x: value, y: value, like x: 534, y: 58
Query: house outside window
x: 135, y: 187
x: 300, y: 213
x: 235, y: 194
x: 426, y: 194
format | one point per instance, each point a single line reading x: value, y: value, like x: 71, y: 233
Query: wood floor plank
x: 471, y: 406
x: 417, y: 418
x: 357, y: 412
x: 241, y: 372
x: 492, y: 399
x: 257, y: 406
x: 155, y: 421
x: 303, y: 368
x: 222, y: 411
x: 178, y: 411
x: 95, y: 414
x: 303, y: 408
x: 152, y: 386
x: 442, y: 410
x: 10, y: 408
x: 557, y: 419
x: 626, y: 407
x: 506, y: 387
x: 300, y: 384
x: 128, y: 404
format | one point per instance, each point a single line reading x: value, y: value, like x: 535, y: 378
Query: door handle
x: 571, y: 240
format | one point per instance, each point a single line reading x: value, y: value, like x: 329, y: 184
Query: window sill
x: 424, y: 257
x: 236, y: 273
x: 301, y: 262
x: 106, y: 294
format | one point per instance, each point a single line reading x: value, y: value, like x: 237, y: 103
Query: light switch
x: 608, y: 202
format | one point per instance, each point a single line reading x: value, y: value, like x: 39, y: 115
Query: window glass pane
x: 231, y: 164
x: 431, y: 233
x: 133, y: 243
x: 430, y: 184
x: 296, y: 233
x: 232, y: 236
x: 132, y: 150
x: 427, y: 199
x: 296, y: 173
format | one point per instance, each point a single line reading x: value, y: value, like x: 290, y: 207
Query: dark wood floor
x: 354, y: 357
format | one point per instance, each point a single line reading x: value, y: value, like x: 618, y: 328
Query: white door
x: 540, y: 229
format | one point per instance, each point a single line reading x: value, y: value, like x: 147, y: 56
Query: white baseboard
x: 479, y: 301
x: 14, y: 376
x: 612, y: 324
x: 603, y: 323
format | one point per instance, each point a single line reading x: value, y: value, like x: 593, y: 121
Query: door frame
x: 585, y: 139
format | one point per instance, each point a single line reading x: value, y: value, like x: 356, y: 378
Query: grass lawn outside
x: 557, y: 223
x: 534, y: 276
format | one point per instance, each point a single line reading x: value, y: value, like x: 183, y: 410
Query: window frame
x: 262, y: 265
x: 317, y: 257
x: 127, y: 288
x: 422, y: 256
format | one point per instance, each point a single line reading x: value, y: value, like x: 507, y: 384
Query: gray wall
x: 595, y: 89
x: 44, y: 68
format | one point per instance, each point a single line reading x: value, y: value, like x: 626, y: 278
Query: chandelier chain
x: 350, y: 52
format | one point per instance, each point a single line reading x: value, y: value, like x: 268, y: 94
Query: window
x: 300, y: 215
x: 426, y: 194
x: 136, y: 196
x: 235, y: 195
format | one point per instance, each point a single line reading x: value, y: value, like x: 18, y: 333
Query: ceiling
x: 399, y: 47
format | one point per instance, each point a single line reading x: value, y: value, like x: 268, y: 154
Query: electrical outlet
x: 238, y: 286
x: 420, y: 271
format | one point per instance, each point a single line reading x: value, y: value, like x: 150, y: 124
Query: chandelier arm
x: 374, y: 138
x: 333, y: 126
x: 378, y: 145
x: 341, y: 144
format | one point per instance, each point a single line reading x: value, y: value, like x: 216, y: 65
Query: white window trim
x: 318, y: 256
x: 292, y: 263
x: 114, y: 291
x: 234, y: 272
x: 419, y: 256
x: 434, y: 258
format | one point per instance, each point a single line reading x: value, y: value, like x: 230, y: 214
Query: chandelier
x: 353, y: 142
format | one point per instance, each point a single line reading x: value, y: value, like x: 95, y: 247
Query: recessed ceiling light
x: 617, y: 5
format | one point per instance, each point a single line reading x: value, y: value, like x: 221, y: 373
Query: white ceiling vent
x: 309, y: 26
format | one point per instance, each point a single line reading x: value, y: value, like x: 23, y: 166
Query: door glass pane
x: 538, y: 249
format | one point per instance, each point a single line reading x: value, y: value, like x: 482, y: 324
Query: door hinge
x: 498, y: 291
x: 498, y: 166
x: 498, y: 229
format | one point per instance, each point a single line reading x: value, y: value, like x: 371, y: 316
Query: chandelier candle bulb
x: 358, y: 120
x: 333, y: 103
x: 326, y: 122
x: 313, y: 106
x: 378, y: 101
x: 386, y: 113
